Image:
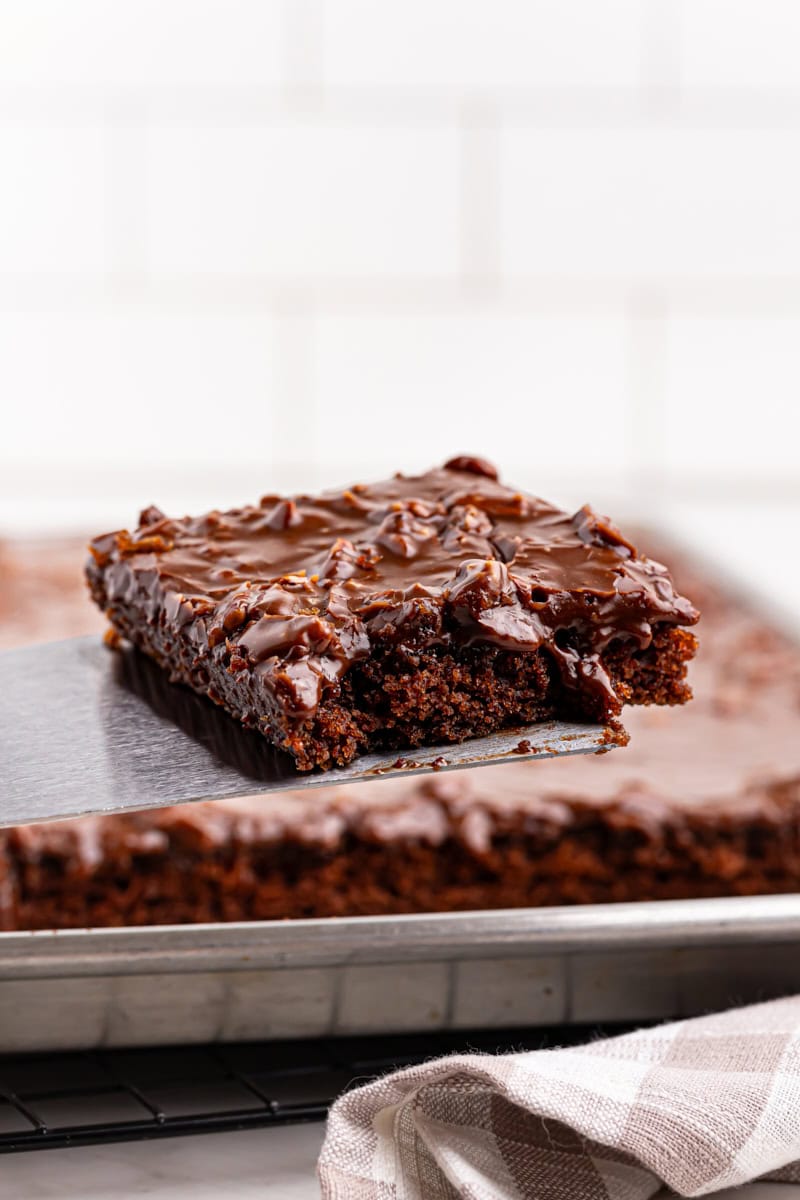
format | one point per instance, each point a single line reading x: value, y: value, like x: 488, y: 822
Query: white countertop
x: 271, y: 1164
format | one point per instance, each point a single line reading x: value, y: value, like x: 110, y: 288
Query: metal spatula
x: 87, y: 730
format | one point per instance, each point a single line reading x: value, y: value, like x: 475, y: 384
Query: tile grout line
x: 479, y: 201
x: 647, y: 321
x: 302, y: 54
x: 294, y: 395
x: 125, y: 151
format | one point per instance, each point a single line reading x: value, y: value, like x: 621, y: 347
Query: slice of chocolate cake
x: 412, y: 612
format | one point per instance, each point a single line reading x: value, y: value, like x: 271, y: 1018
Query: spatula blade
x: 87, y: 730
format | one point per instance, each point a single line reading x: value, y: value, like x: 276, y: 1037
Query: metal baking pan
x: 356, y: 975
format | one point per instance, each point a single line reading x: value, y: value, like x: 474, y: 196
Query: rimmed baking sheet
x: 165, y: 985
x: 341, y: 941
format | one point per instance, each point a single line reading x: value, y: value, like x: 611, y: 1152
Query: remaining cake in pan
x: 705, y: 801
x: 416, y: 611
x: 42, y: 592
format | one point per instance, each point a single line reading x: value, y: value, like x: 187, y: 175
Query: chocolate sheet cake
x: 420, y: 610
x: 705, y: 801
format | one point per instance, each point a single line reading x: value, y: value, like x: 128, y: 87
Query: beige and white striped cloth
x: 697, y: 1105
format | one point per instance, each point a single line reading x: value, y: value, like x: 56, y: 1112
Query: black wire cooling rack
x: 49, y: 1100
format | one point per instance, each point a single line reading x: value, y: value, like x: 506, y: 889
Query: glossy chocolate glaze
x: 294, y: 591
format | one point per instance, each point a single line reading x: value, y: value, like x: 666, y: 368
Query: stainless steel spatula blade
x: 84, y: 729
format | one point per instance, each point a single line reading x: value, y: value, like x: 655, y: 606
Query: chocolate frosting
x: 295, y: 590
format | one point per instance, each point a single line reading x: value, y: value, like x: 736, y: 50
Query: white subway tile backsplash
x: 137, y: 385
x: 650, y: 203
x: 350, y: 226
x: 140, y: 43
x: 52, y: 199
x: 469, y: 44
x: 732, y: 392
x: 304, y: 199
x: 741, y: 43
x: 536, y: 393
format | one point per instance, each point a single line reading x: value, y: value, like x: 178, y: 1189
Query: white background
x: 248, y: 244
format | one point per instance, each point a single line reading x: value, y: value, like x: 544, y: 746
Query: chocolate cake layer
x: 415, y: 611
x: 705, y: 801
